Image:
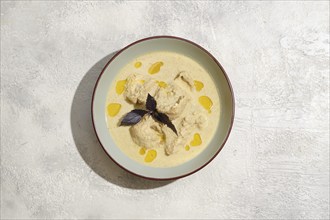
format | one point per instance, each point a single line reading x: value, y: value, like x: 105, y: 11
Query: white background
x: 274, y: 165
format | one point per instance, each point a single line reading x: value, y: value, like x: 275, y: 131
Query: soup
x: 185, y: 116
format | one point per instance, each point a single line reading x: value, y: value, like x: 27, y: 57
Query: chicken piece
x: 185, y: 78
x: 193, y: 119
x: 171, y: 100
x: 171, y: 140
x: 147, y: 133
x: 138, y: 87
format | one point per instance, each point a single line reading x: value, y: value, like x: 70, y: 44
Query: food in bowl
x: 162, y: 109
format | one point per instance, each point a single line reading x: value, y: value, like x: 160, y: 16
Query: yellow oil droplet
x: 196, y: 141
x: 151, y: 155
x: 155, y: 67
x: 162, y: 84
x: 198, y: 85
x: 141, y: 81
x: 206, y: 102
x: 187, y: 148
x: 113, y: 109
x: 138, y: 64
x: 142, y: 151
x: 120, y: 86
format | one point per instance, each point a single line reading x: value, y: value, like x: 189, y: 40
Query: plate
x: 176, y: 45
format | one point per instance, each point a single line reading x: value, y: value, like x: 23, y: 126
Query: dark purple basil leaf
x: 133, y: 117
x: 151, y: 103
x: 140, y: 112
x: 163, y: 118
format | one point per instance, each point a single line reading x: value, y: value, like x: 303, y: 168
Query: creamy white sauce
x: 172, y: 65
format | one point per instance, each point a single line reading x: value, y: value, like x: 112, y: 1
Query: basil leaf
x: 133, y: 117
x: 163, y: 118
x: 136, y: 115
x: 151, y: 103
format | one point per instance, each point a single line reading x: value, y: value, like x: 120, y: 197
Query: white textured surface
x: 274, y: 165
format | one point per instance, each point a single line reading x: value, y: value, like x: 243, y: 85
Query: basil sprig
x: 135, y: 116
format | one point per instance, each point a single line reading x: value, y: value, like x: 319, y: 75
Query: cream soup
x: 183, y: 90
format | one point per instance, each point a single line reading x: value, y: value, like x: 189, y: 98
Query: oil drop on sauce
x: 196, y: 141
x: 142, y: 151
x: 206, y: 102
x: 155, y: 68
x: 151, y: 155
x: 113, y: 109
x: 198, y: 85
x: 187, y: 148
x: 120, y: 86
x: 137, y: 64
x: 161, y: 84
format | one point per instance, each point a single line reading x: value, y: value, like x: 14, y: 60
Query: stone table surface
x: 274, y: 165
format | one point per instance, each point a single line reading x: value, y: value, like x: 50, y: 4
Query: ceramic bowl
x: 186, y: 48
